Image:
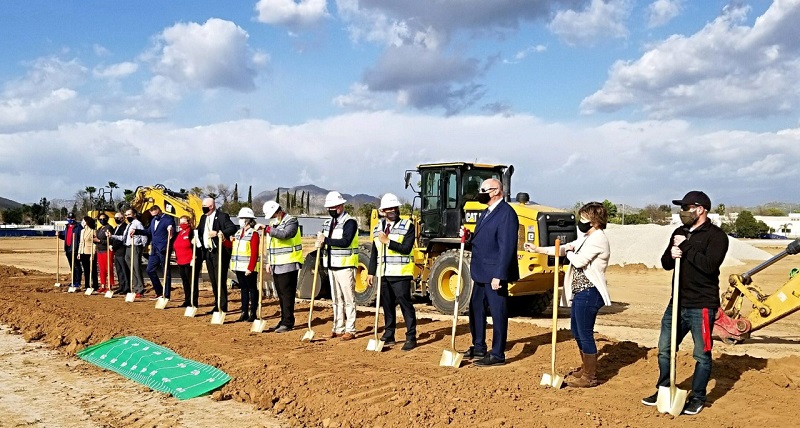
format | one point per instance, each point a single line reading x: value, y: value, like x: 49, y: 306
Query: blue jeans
x: 691, y: 320
x: 584, y: 313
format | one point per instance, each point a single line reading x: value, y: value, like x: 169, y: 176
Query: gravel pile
x: 645, y: 243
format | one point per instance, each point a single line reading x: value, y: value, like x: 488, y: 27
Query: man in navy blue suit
x: 493, y: 266
x: 161, y: 225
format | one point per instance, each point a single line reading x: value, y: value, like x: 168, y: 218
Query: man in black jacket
x: 118, y: 247
x: 214, y: 224
x: 395, y: 238
x: 700, y: 247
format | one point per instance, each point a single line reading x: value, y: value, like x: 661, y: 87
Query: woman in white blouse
x: 585, y: 287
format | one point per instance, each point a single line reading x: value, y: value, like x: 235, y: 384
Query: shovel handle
x: 458, y: 289
x: 260, y: 270
x: 556, y: 277
x: 166, y: 261
x: 673, y: 339
x: 219, y: 274
x: 381, y: 272
x: 314, y: 287
x: 194, y: 264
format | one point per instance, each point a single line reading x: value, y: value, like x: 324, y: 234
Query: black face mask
x: 584, y: 227
x: 119, y: 220
x: 483, y: 198
x: 206, y: 210
x: 104, y: 221
x: 392, y: 215
x: 130, y: 219
x: 333, y: 213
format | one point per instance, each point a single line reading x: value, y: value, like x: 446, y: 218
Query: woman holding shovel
x: 244, y: 261
x: 184, y: 243
x: 86, y: 252
x: 585, y: 287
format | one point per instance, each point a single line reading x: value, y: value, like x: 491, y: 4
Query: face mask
x: 688, y: 217
x: 584, y: 227
x: 104, y: 221
x: 83, y: 224
x: 70, y: 221
x: 118, y: 220
x: 392, y: 215
x: 483, y: 198
x: 130, y: 219
x: 184, y: 225
x: 206, y: 210
x: 242, y: 222
x: 333, y: 213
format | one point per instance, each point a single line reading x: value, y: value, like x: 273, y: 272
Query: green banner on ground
x: 156, y: 367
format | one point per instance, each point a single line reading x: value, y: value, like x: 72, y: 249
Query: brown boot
x: 577, y: 373
x: 589, y: 378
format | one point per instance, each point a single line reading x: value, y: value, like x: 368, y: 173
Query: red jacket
x: 183, y: 246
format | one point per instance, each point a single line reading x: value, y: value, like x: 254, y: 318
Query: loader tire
x: 305, y: 279
x: 443, y: 280
x: 364, y: 293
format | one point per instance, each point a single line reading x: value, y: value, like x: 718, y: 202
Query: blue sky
x: 636, y: 102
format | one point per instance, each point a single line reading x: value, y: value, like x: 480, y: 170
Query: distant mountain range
x: 8, y: 203
x: 316, y: 199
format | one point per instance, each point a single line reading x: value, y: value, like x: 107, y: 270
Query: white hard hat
x: 246, y: 213
x: 389, y: 200
x: 270, y: 208
x: 334, y: 199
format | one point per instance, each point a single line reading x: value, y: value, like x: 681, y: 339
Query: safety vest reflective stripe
x: 241, y: 251
x: 340, y: 256
x: 285, y: 251
x: 394, y: 263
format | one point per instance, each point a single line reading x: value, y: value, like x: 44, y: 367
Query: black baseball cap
x: 70, y: 215
x: 695, y: 197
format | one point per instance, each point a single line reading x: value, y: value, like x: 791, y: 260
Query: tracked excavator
x: 735, y: 326
x: 447, y: 201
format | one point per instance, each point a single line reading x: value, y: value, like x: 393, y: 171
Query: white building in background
x: 788, y: 226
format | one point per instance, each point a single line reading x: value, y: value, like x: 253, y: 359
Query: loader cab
x: 445, y: 188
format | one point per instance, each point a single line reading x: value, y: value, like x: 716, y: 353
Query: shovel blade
x: 375, y: 345
x: 671, y: 400
x: 552, y: 379
x: 258, y: 326
x: 71, y: 290
x: 109, y: 294
x: 218, y: 318
x: 307, y: 336
x: 190, y: 311
x: 161, y: 302
x: 89, y: 291
x: 450, y: 358
x: 58, y: 284
x: 130, y: 297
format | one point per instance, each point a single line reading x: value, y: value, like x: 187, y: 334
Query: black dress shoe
x: 409, y: 345
x: 184, y: 305
x: 387, y: 341
x: 211, y: 312
x: 251, y: 318
x: 242, y: 317
x: 471, y: 353
x: 490, y: 360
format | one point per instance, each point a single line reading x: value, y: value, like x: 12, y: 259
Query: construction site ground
x: 332, y: 383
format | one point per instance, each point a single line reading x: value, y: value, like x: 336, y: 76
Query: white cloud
x: 642, y: 162
x: 100, y: 50
x: 661, y: 12
x: 724, y: 70
x: 601, y: 18
x: 291, y: 12
x: 115, y: 71
x: 210, y: 55
x: 359, y: 98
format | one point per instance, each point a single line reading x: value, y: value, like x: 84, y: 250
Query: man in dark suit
x: 493, y: 266
x: 213, y: 224
x: 158, y: 233
x: 71, y: 235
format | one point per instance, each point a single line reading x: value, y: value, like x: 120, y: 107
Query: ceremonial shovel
x: 89, y: 289
x: 109, y: 294
x: 219, y: 316
x: 58, y: 260
x: 162, y: 301
x: 259, y: 324
x: 376, y: 344
x: 71, y: 288
x: 451, y: 357
x: 670, y: 399
x: 131, y: 296
x: 191, y: 310
x: 553, y: 379
x: 309, y: 334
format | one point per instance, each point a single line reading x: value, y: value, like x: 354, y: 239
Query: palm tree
x: 90, y: 190
x: 111, y: 186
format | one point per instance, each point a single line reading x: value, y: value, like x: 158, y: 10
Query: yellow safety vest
x: 340, y: 256
x: 394, y: 263
x: 240, y: 256
x: 285, y: 251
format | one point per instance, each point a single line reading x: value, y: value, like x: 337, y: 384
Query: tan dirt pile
x: 645, y: 243
x: 331, y: 383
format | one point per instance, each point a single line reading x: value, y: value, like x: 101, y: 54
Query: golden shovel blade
x: 130, y: 297
x: 552, y: 379
x: 161, y: 302
x: 190, y: 311
x: 71, y: 289
x: 258, y: 326
x: 307, y: 336
x: 58, y: 284
x: 89, y: 291
x: 451, y: 358
x: 218, y: 318
x: 375, y: 345
x: 109, y: 294
x: 671, y: 400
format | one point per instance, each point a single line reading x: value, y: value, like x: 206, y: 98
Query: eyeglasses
x: 482, y: 190
x: 688, y: 207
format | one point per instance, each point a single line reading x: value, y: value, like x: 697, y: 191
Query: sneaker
x: 138, y: 295
x: 651, y: 400
x: 282, y: 329
x: 348, y: 336
x: 155, y: 298
x: 693, y: 407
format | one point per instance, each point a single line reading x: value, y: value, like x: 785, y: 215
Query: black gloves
x: 793, y: 247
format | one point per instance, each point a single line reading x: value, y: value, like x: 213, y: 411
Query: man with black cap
x: 72, y: 235
x: 700, y: 247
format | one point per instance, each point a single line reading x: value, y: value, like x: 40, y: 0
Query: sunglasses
x: 482, y: 190
x: 688, y: 207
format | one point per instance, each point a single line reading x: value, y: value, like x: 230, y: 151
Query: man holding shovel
x: 700, y: 247
x: 159, y: 232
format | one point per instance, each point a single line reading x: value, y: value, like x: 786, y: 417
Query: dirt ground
x: 332, y: 383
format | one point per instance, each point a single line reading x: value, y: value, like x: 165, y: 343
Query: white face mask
x: 83, y: 224
x: 242, y: 222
